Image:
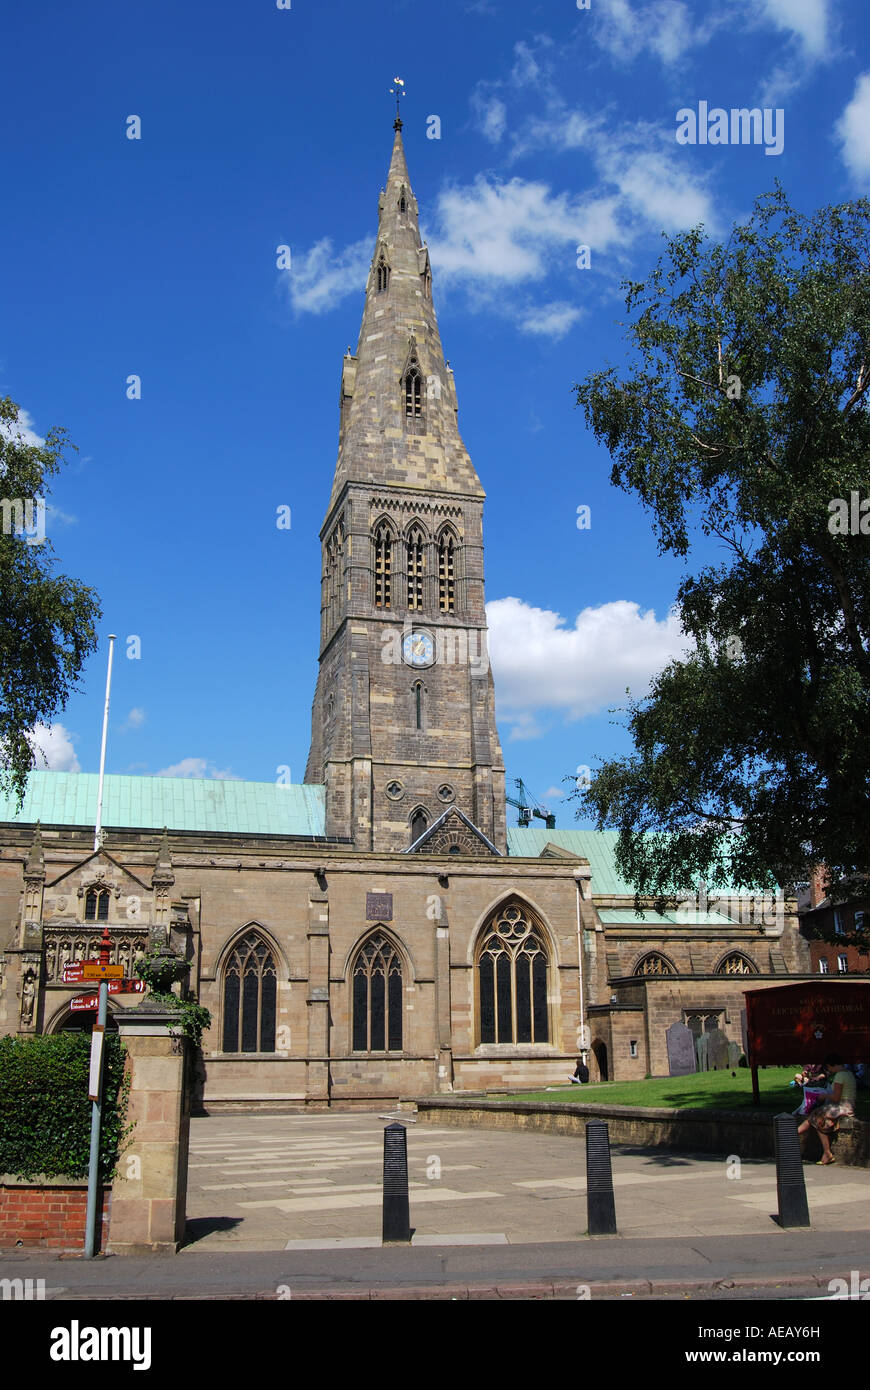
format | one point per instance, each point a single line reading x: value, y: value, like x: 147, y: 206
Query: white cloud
x: 807, y: 20
x: 55, y: 517
x: 198, y: 767
x: 853, y: 132
x: 527, y: 70
x: 655, y: 188
x: 669, y: 29
x: 512, y: 232
x: 135, y: 719
x: 539, y: 663
x: 53, y: 748
x: 664, y: 28
x: 551, y: 320
x: 320, y: 278
x: 491, y: 116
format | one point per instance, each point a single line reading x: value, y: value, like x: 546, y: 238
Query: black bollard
x: 791, y: 1191
x: 397, y: 1217
x: 600, y: 1207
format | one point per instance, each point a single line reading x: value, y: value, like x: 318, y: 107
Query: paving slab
x: 259, y: 1182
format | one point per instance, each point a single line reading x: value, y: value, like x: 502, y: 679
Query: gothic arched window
x: 415, y: 569
x: 418, y: 712
x: 383, y: 566
x: 512, y: 979
x: 383, y: 275
x: 735, y: 964
x: 377, y: 996
x: 653, y: 964
x: 446, y: 573
x: 414, y: 394
x: 250, y: 997
x: 419, y: 823
x: 97, y: 904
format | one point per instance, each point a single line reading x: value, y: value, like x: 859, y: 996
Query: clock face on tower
x: 418, y: 649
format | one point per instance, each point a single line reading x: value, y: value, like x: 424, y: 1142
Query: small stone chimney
x: 818, y: 881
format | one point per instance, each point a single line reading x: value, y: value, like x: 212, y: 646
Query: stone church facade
x: 378, y: 932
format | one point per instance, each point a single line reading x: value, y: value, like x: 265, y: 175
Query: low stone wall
x: 48, y: 1214
x: 747, y: 1133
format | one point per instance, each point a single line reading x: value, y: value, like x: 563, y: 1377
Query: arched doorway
x: 599, y: 1052
x: 83, y: 1021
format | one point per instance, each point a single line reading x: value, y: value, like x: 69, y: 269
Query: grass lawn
x: 706, y: 1089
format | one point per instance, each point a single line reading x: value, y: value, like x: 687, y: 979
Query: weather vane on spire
x: 398, y: 91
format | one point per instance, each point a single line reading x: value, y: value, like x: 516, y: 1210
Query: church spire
x: 403, y: 721
x: 398, y: 420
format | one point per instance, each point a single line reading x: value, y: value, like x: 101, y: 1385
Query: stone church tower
x: 403, y: 721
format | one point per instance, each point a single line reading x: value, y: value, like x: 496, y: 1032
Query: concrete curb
x: 559, y: 1289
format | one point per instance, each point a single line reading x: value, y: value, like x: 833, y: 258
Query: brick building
x: 841, y: 955
x: 378, y: 931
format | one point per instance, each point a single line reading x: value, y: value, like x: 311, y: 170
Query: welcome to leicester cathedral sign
x: 803, y: 1023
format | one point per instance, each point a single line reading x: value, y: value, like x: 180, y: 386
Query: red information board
x: 796, y: 1024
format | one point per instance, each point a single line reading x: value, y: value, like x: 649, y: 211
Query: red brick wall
x: 48, y: 1218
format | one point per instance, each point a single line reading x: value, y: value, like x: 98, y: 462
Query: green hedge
x: 45, y: 1114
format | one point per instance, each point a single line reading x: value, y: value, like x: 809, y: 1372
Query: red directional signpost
x: 92, y: 969
x: 90, y: 1002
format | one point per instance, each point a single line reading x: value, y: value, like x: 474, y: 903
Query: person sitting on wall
x: 825, y: 1118
x: 581, y: 1073
x: 813, y: 1080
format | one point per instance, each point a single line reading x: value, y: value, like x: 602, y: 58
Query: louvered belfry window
x: 383, y: 567
x: 250, y: 997
x: 377, y: 997
x: 383, y: 276
x: 415, y: 569
x: 735, y: 964
x: 512, y: 980
x: 446, y: 574
x: 653, y: 964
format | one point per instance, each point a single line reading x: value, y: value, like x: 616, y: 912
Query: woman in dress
x: 825, y: 1118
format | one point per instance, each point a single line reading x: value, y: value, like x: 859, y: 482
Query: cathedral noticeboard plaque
x: 379, y: 907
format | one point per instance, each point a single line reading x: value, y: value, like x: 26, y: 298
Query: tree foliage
x: 743, y: 416
x: 47, y: 621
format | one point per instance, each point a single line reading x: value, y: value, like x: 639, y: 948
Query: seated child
x: 813, y: 1080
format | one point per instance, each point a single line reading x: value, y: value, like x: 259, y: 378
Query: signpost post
x: 111, y: 978
x: 111, y: 981
x: 95, y: 1085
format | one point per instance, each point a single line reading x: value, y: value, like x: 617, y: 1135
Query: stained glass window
x: 377, y: 997
x: 512, y: 980
x: 250, y: 997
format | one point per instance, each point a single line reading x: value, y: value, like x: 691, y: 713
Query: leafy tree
x: 46, y: 619
x: 743, y: 417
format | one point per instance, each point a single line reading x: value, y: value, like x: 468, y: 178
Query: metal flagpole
x: 98, y: 830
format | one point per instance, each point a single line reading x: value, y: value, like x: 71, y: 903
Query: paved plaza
x: 275, y: 1182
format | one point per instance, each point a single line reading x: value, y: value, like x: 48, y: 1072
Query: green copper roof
x: 624, y: 916
x: 179, y: 803
x: 599, y: 847
x: 595, y: 845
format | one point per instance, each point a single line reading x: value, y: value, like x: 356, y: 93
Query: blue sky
x: 262, y: 127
